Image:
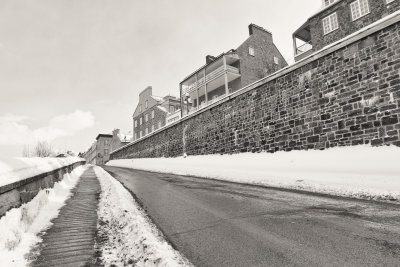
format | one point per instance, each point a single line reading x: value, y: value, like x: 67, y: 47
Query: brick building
x: 151, y: 112
x: 336, y: 20
x: 119, y: 139
x: 99, y: 151
x: 254, y: 59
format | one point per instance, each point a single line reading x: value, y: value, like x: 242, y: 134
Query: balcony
x: 220, y: 71
x: 303, y: 48
x: 211, y: 82
x: 302, y: 42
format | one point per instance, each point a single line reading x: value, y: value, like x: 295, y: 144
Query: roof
x: 162, y: 109
x: 125, y: 138
x: 104, y: 135
x: 156, y: 98
x: 216, y: 58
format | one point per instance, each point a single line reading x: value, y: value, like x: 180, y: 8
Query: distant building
x: 151, y: 112
x: 254, y: 59
x: 99, y: 152
x: 336, y: 20
x: 119, y: 140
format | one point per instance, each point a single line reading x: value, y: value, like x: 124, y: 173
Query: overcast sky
x: 70, y: 69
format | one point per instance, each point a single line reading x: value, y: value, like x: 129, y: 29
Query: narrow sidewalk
x: 70, y: 240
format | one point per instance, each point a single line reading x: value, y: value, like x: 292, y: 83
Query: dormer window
x: 251, y: 51
x: 146, y: 104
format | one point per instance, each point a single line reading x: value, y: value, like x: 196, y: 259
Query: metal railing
x: 303, y: 48
x: 214, y: 74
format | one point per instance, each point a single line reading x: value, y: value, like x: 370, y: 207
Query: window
x: 152, y: 114
x: 135, y: 136
x: 359, y: 8
x: 135, y: 123
x: 329, y: 2
x: 330, y: 23
x: 146, y: 104
x: 152, y: 127
x: 276, y: 60
x: 171, y: 109
x: 159, y: 124
x: 140, y: 121
x: 142, y: 134
x: 251, y: 51
x: 147, y: 131
x: 146, y: 118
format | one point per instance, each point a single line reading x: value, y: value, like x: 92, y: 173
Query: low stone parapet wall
x: 17, y: 193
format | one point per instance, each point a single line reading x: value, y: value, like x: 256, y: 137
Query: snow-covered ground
x: 19, y: 227
x: 128, y: 237
x: 357, y: 171
x: 16, y: 169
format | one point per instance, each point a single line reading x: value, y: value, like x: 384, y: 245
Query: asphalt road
x: 217, y: 223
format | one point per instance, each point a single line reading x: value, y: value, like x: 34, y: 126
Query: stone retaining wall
x: 15, y: 194
x: 347, y: 94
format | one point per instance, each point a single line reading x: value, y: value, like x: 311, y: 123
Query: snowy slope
x: 358, y: 171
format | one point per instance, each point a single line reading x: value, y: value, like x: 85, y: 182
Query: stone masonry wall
x: 15, y: 194
x: 348, y: 97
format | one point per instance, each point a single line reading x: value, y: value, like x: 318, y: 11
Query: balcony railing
x: 303, y: 48
x: 214, y: 74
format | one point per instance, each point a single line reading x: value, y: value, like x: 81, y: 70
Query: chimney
x: 209, y: 59
x: 115, y: 132
x: 253, y: 28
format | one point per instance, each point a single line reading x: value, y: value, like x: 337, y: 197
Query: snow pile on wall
x: 128, y: 237
x: 357, y: 171
x: 19, y: 226
x: 16, y: 169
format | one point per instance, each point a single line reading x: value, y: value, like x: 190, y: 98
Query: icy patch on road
x: 358, y: 171
x: 127, y: 237
x: 19, y: 227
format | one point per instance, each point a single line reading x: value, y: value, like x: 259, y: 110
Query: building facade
x: 336, y: 20
x: 254, y: 59
x: 151, y: 112
x: 99, y: 151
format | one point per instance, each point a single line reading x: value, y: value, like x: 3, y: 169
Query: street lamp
x: 187, y: 101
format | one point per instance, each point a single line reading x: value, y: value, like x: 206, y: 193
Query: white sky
x: 88, y: 60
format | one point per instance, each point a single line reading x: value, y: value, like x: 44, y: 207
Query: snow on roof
x: 162, y: 109
x: 157, y: 98
x: 125, y: 137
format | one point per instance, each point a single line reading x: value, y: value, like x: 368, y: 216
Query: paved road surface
x: 224, y: 224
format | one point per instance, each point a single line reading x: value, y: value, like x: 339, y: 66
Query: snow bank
x: 357, y: 171
x: 128, y: 237
x: 19, y: 226
x: 16, y: 169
